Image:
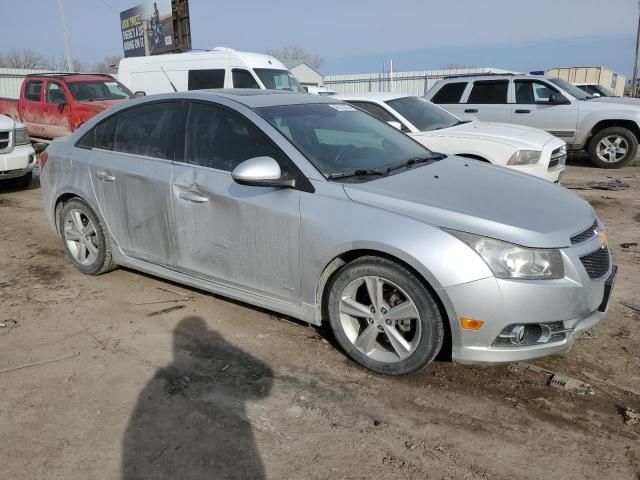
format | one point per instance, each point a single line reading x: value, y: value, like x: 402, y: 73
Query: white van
x: 217, y: 68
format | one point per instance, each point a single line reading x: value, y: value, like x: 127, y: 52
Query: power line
x: 109, y: 6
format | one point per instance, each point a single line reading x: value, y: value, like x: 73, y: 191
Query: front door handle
x: 105, y: 176
x: 523, y: 111
x: 193, y: 197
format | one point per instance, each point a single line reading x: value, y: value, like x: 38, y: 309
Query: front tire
x: 613, y: 147
x: 384, y: 317
x: 86, y: 239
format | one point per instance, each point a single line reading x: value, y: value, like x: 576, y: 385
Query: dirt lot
x: 219, y: 389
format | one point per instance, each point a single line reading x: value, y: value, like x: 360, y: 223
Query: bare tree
x: 293, y: 53
x: 23, y: 58
x: 108, y: 64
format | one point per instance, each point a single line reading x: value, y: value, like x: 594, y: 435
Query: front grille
x: 5, y: 141
x: 597, y: 263
x: 588, y: 234
x: 558, y: 157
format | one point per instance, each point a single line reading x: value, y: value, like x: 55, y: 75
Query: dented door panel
x: 247, y: 237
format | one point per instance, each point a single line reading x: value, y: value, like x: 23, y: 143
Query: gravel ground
x: 220, y: 389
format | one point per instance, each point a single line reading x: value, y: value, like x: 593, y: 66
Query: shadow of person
x: 190, y: 420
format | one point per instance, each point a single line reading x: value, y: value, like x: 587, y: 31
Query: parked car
x: 56, y: 104
x: 605, y: 127
x: 595, y: 90
x: 197, y: 70
x: 17, y: 157
x: 526, y: 149
x: 305, y: 205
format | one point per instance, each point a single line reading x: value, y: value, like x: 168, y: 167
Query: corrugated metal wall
x: 409, y: 83
x: 11, y: 80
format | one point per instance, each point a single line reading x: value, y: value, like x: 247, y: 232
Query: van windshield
x: 274, y: 79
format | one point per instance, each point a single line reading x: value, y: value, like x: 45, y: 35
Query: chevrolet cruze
x: 309, y: 207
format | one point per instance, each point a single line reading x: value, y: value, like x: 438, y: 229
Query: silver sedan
x: 309, y: 207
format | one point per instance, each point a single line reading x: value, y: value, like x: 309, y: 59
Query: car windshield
x: 275, y: 79
x: 340, y: 139
x: 88, y: 91
x: 570, y: 88
x: 423, y: 114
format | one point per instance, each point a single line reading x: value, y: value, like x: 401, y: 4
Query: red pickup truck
x: 53, y: 105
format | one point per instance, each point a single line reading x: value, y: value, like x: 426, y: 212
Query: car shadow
x: 190, y: 420
x: 11, y: 185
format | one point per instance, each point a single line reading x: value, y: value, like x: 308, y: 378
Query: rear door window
x: 489, y: 92
x: 203, y: 79
x: 146, y: 130
x: 450, y: 93
x: 243, y: 79
x: 33, y: 90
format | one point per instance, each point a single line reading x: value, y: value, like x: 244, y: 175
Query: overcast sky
x: 357, y: 35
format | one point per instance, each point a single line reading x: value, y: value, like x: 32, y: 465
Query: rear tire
x: 613, y: 147
x: 400, y: 331
x: 86, y: 239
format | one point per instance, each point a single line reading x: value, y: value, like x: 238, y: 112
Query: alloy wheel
x: 81, y: 237
x: 612, y: 149
x: 380, y: 319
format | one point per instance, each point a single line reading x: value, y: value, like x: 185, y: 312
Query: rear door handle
x: 193, y: 197
x: 105, y: 176
x: 471, y: 110
x: 523, y: 111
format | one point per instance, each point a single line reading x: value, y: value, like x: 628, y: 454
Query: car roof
x: 495, y: 76
x: 256, y: 98
x: 371, y: 96
x: 71, y: 77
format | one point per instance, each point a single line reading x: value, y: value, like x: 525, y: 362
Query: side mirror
x: 395, y: 124
x: 557, y: 99
x: 261, y: 172
x: 140, y: 93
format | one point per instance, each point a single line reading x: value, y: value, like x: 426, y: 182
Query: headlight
x: 524, y: 157
x: 21, y: 137
x: 507, y: 260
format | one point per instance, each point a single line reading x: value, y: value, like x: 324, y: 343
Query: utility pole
x: 634, y: 87
x: 67, y: 49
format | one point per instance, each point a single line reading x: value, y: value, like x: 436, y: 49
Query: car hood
x: 623, y: 100
x: 518, y: 136
x: 7, y: 123
x: 100, y: 105
x: 481, y: 198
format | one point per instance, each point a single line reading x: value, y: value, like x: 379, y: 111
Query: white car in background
x: 522, y: 148
x: 17, y: 157
x: 320, y: 91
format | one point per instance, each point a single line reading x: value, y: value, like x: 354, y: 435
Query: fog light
x: 517, y: 334
x: 471, y: 323
x: 521, y: 335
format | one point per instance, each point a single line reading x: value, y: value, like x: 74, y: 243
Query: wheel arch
x: 347, y: 256
x: 59, y: 205
x: 602, y: 124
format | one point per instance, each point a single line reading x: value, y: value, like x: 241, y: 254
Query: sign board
x: 148, y: 29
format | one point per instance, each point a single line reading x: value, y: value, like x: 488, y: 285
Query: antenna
x: 172, y: 85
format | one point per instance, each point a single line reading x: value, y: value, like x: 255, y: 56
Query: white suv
x: 607, y: 129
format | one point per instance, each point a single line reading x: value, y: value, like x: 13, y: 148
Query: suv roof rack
x: 489, y: 74
x: 65, y: 74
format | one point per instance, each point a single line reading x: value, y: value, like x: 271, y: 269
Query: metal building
x: 599, y: 75
x: 409, y: 83
x: 11, y: 81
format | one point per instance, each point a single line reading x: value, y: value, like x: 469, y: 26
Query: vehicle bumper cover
x: 17, y: 163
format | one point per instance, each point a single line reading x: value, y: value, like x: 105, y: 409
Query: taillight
x: 42, y: 159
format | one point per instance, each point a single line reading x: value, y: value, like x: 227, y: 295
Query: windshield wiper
x: 356, y: 173
x: 414, y: 161
x: 461, y: 122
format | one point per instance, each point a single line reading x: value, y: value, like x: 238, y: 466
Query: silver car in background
x: 309, y: 207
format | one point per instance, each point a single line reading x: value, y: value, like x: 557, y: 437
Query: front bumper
x: 550, y: 167
x: 17, y: 163
x: 575, y: 300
